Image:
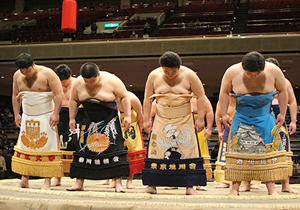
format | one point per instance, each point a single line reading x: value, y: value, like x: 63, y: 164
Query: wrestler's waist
x: 254, y: 111
x: 173, y: 112
x: 38, y: 109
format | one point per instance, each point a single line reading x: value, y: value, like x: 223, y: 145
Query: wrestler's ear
x: 33, y: 64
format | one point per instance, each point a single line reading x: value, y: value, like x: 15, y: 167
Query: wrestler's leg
x: 223, y: 185
x: 245, y: 187
x: 104, y: 182
x: 56, y: 182
x: 286, y: 186
x: 24, y: 183
x: 191, y: 191
x: 150, y: 189
x: 271, y: 188
x: 118, y: 183
x: 78, y: 186
x: 201, y: 188
x: 235, y: 188
x: 47, y: 184
x: 129, y: 184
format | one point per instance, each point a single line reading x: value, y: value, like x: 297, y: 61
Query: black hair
x: 253, y: 62
x: 24, y: 60
x: 170, y: 59
x: 273, y: 60
x: 63, y: 71
x: 89, y: 70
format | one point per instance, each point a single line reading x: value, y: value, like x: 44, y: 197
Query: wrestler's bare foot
x: 75, y: 187
x: 289, y: 190
x: 150, y: 189
x: 234, y: 192
x: 112, y: 184
x: 78, y: 186
x: 191, y: 191
x: 285, y: 186
x: 46, y: 184
x: 271, y: 188
x: 129, y: 184
x: 223, y: 185
x: 45, y: 187
x: 235, y: 188
x: 171, y: 188
x: 201, y: 188
x: 24, y: 183
x: 273, y: 193
x: 104, y: 182
x: 56, y: 182
x: 255, y: 187
x: 244, y: 189
x: 119, y: 188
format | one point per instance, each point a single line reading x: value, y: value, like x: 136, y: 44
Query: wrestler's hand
x: 207, y: 133
x: 280, y: 120
x: 148, y: 126
x: 292, y: 128
x: 54, y: 120
x: 72, y: 124
x: 199, y: 125
x: 221, y: 136
x: 18, y: 120
x: 126, y: 122
x: 226, y: 121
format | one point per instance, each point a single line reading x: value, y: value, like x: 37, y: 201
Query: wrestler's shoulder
x: 156, y: 72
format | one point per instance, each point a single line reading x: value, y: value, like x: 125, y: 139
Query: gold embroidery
x: 192, y: 166
x: 82, y: 134
x: 154, y: 165
x: 234, y: 142
x: 33, y: 133
x: 153, y: 152
x: 182, y: 166
x: 154, y: 137
x: 32, y: 129
x: 97, y: 142
x: 163, y: 166
x: 172, y: 167
x: 153, y: 144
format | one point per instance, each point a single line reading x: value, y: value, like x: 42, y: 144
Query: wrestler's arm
x: 137, y: 107
x: 121, y: 92
x: 209, y: 118
x: 218, y: 119
x: 147, y: 105
x: 16, y: 102
x: 198, y: 90
x: 73, y: 102
x: 226, y: 86
x: 56, y: 88
x: 292, y: 101
x: 281, y: 87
